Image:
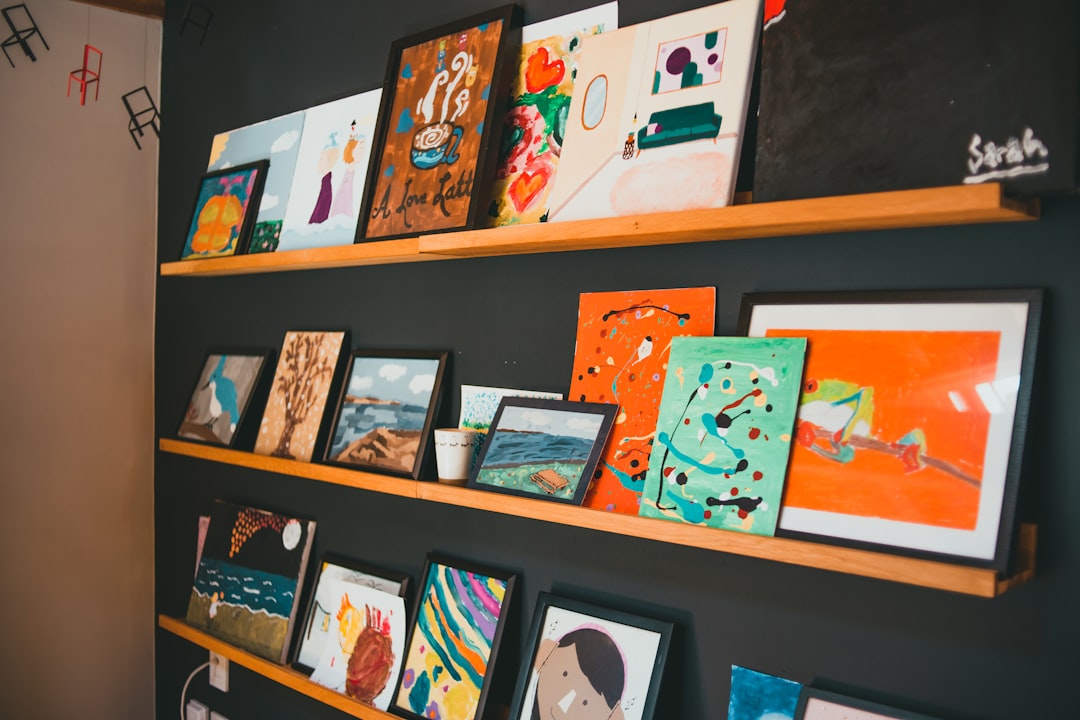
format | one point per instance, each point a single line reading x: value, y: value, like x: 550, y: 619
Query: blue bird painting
x: 220, y: 397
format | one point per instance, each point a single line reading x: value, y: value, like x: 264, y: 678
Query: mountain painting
x: 250, y: 572
x: 543, y: 448
x: 386, y: 411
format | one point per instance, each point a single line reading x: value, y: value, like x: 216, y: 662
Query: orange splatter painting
x: 891, y: 424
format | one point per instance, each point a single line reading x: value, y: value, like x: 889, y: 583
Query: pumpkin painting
x: 225, y: 210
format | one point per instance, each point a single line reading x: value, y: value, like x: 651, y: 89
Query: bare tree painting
x: 298, y: 397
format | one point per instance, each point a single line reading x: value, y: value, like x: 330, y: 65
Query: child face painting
x: 579, y: 678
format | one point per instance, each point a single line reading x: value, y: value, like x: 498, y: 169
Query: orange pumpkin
x: 219, y: 218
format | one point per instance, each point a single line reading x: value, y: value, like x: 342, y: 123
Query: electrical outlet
x: 219, y: 671
x: 217, y: 716
x: 195, y: 711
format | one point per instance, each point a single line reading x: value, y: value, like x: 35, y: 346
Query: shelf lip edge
x: 935, y: 574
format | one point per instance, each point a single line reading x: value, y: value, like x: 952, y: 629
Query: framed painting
x: 297, y: 401
x: 621, y: 356
x: 331, y: 165
x: 454, y: 640
x: 353, y: 638
x: 250, y: 573
x: 222, y: 394
x: 224, y: 213
x: 911, y: 423
x: 583, y: 660
x: 479, y: 403
x: 277, y: 139
x: 723, y: 435
x: 545, y: 449
x: 386, y: 410
x: 817, y: 704
x: 956, y: 114
x: 760, y: 696
x: 535, y: 125
x: 437, y: 136
x: 658, y: 115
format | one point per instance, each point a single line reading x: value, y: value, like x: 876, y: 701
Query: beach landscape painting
x: 543, y: 448
x: 386, y: 411
x: 250, y: 572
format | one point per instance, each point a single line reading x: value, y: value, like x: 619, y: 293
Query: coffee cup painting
x: 435, y: 123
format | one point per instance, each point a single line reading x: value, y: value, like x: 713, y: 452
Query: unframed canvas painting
x: 535, y: 125
x: 221, y: 396
x: 279, y: 140
x: 479, y: 403
x: 621, y: 355
x: 294, y: 410
x: 725, y: 432
x: 331, y: 168
x: 250, y: 573
x: 657, y: 117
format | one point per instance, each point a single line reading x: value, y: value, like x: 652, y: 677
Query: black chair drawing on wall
x: 23, y: 27
x: 198, y: 15
x: 143, y: 113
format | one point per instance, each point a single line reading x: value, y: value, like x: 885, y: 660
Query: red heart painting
x: 540, y: 73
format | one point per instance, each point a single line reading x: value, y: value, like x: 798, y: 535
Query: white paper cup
x: 454, y: 452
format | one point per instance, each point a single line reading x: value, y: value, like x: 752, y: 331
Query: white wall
x: 77, y: 272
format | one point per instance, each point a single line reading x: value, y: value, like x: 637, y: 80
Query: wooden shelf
x: 278, y: 673
x: 883, y: 566
x: 953, y: 205
x: 383, y: 252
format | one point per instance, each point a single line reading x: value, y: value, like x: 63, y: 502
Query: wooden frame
x: 955, y: 365
x: 253, y: 175
x: 407, y: 190
x: 368, y: 585
x: 445, y: 576
x: 522, y: 446
x: 817, y: 704
x: 229, y: 400
x: 394, y: 437
x: 607, y: 673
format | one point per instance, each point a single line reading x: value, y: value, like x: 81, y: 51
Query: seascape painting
x: 543, y: 448
x: 724, y: 432
x: 386, y: 411
x: 621, y: 357
x: 250, y: 573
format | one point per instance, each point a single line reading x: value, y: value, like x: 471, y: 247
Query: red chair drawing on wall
x: 85, y: 75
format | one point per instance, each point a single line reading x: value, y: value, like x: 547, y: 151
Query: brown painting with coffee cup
x: 436, y: 141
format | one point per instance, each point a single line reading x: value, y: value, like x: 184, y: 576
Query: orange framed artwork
x: 912, y: 416
x: 436, y: 141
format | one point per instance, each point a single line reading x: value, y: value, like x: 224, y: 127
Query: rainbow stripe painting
x: 454, y: 639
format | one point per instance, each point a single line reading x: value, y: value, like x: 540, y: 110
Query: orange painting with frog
x: 891, y: 424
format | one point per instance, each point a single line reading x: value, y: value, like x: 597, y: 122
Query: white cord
x: 183, y: 693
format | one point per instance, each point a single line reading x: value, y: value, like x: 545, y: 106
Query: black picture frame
x: 423, y: 443
x: 604, y: 654
x: 810, y: 696
x: 433, y: 563
x: 1013, y: 313
x: 247, y: 405
x: 251, y: 209
x: 373, y: 576
x: 512, y: 410
x: 503, y: 70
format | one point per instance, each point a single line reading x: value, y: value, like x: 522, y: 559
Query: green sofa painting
x: 681, y: 124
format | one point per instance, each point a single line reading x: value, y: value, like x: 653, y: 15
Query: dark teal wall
x: 511, y: 321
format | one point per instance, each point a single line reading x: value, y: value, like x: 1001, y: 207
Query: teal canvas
x: 757, y: 696
x: 720, y: 451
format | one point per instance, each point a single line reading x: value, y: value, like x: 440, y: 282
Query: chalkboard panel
x: 861, y: 97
